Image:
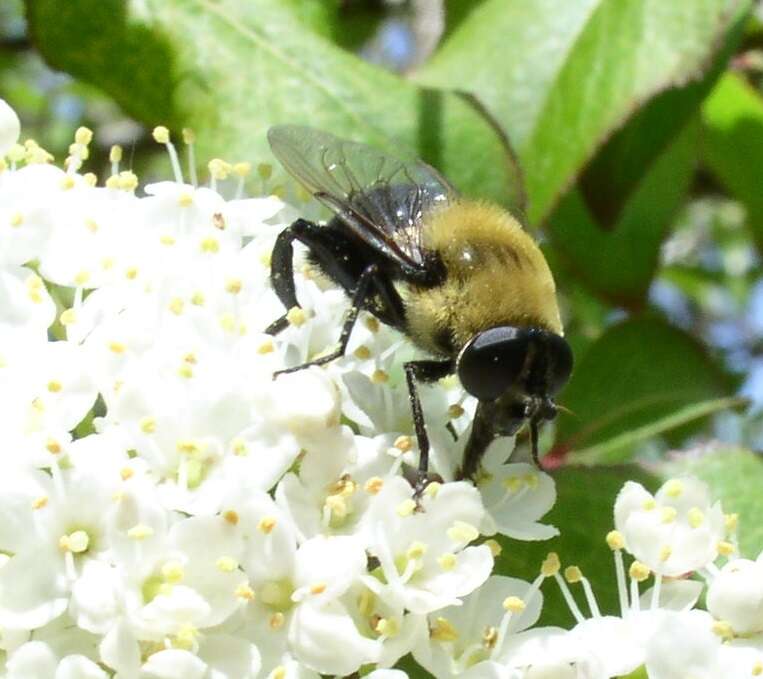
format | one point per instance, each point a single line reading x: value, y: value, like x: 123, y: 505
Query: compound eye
x: 560, y: 359
x: 492, y: 361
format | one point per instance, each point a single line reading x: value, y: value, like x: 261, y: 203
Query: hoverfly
x: 461, y: 278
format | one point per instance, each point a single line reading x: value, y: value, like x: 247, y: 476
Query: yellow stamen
x: 696, y: 517
x: 461, y: 531
x: 495, y: 547
x: 514, y: 604
x: 161, y: 134
x: 83, y: 135
x: 210, y: 245
x: 432, y: 489
x: 406, y: 508
x: 551, y: 565
x: 639, y: 571
x: 615, y: 540
x: 447, y: 561
x: 40, y: 502
x: 416, y: 550
x: 266, y: 525
x: 723, y: 629
x: 373, y: 485
x: 296, y: 316
x: 443, y: 630
x: 226, y: 564
x: 244, y: 592
x: 455, y: 411
x: 362, y: 352
x: 234, y: 286
x: 673, y: 488
x: 242, y: 169
x: 140, y: 532
x: 403, y: 443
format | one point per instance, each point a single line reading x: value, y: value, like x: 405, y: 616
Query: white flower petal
x: 620, y: 650
x: 119, y: 649
x: 229, y: 657
x: 33, y: 659
x: 736, y: 596
x: 10, y: 127
x: 305, y: 402
x: 328, y: 567
x: 326, y: 640
x: 33, y: 590
x: 675, y: 595
x: 97, y: 597
x: 79, y: 667
x: 669, y: 532
x: 551, y: 653
x: 174, y: 664
x: 473, y: 567
x: 388, y: 674
x: 683, y: 645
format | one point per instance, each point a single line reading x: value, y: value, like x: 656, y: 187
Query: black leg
x: 282, y: 268
x: 339, y: 257
x: 534, y: 441
x: 482, y: 434
x: 358, y: 297
x: 425, y: 371
x: 490, y: 421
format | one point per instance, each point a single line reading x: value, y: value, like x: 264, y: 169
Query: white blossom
x: 10, y: 127
x: 675, y: 531
x: 475, y: 637
x: 425, y: 558
x: 516, y: 496
x: 683, y: 644
x: 735, y: 595
x: 169, y: 510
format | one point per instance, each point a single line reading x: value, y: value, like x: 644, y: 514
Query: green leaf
x: 637, y: 373
x: 639, y: 673
x: 456, y: 11
x: 584, y: 515
x: 562, y: 77
x: 318, y: 16
x: 735, y: 477
x: 602, y: 452
x: 732, y: 119
x: 412, y: 668
x: 619, y: 264
x: 617, y: 170
x: 113, y: 50
x: 356, y: 23
x: 230, y: 70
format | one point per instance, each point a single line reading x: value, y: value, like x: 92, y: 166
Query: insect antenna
x: 566, y: 410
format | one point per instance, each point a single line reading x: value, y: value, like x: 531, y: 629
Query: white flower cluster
x: 170, y: 511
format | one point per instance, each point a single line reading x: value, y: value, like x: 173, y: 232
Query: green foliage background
x: 629, y: 132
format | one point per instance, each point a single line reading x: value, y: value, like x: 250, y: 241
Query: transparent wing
x: 381, y: 198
